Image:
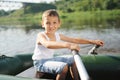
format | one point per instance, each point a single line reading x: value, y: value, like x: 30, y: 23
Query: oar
x: 93, y: 50
x: 80, y: 66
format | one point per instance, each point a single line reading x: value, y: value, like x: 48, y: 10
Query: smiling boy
x: 49, y: 40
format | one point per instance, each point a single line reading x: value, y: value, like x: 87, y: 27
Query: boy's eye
x: 47, y: 22
x: 54, y: 22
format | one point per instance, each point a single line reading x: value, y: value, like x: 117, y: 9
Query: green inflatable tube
x: 16, y: 64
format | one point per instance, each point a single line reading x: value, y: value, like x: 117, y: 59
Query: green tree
x: 3, y: 13
x: 35, y: 8
x: 87, y: 5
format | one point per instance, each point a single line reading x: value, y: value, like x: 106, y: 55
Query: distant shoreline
x: 79, y: 18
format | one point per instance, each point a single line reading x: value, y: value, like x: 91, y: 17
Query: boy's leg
x: 74, y: 72
x: 59, y: 68
x: 39, y: 74
x: 62, y: 75
x: 54, y: 65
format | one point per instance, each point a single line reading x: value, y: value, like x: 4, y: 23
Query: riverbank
x: 73, y: 18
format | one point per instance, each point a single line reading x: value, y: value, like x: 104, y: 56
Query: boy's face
x: 51, y: 24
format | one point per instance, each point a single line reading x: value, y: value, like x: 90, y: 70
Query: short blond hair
x: 50, y: 12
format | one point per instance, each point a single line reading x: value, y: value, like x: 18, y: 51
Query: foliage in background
x: 87, y: 5
x: 72, y: 12
x: 70, y: 6
x: 35, y: 8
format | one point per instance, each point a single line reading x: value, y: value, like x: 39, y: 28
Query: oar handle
x: 80, y: 66
x: 97, y: 46
x: 93, y: 50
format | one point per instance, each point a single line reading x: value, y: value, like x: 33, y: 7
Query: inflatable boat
x: 94, y: 67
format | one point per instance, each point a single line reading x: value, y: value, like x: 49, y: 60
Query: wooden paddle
x: 80, y: 66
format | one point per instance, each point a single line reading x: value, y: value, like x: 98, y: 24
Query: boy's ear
x: 59, y: 23
x: 42, y: 24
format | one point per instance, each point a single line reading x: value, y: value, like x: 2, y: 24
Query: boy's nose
x: 51, y: 25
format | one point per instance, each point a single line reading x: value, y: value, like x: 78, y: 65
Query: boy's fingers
x: 101, y: 43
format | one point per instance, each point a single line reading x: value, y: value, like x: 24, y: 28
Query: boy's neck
x: 50, y: 34
x: 47, y: 33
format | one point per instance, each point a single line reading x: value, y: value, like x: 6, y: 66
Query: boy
x: 49, y: 40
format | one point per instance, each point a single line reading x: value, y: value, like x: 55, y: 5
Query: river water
x: 19, y: 40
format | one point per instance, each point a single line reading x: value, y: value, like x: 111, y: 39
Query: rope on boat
x: 4, y: 56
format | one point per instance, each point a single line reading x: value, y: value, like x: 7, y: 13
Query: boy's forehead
x: 45, y: 16
x: 50, y: 18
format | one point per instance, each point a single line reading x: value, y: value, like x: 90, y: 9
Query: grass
x: 74, y: 18
x: 87, y: 18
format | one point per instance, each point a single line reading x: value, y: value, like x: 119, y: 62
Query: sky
x: 8, y: 5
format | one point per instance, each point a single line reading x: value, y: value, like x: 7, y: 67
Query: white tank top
x: 42, y: 52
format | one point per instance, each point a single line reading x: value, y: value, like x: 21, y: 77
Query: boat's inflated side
x: 102, y: 67
x: 99, y: 67
x: 15, y: 65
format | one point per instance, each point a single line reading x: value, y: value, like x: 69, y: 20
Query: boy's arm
x: 80, y: 40
x: 41, y: 39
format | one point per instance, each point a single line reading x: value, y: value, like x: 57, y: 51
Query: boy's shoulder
x: 40, y: 33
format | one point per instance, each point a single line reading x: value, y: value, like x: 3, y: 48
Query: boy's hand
x: 74, y: 47
x: 98, y: 42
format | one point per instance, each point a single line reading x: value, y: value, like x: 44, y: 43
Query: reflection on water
x: 14, y: 39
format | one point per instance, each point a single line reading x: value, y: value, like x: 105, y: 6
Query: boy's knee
x: 65, y: 69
